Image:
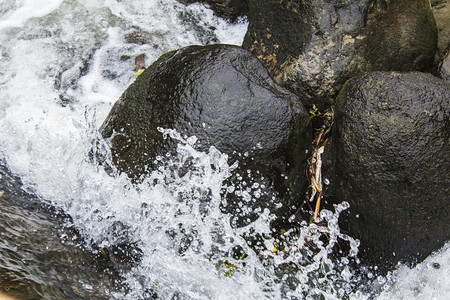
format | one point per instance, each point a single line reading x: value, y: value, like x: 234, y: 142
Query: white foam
x: 29, y: 9
x: 428, y: 280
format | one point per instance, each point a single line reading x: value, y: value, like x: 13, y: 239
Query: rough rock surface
x: 223, y: 95
x: 390, y: 148
x: 313, y: 47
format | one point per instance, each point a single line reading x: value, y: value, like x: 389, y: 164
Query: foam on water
x: 428, y: 280
x: 62, y: 66
x: 29, y: 9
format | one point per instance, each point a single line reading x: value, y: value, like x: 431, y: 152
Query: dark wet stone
x: 227, y: 9
x: 390, y: 149
x: 313, y: 47
x: 136, y: 35
x: 225, y: 97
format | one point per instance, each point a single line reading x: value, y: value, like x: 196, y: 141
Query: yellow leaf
x: 139, y: 72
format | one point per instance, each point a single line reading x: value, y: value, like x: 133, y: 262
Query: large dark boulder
x: 391, y: 148
x: 227, y: 9
x: 225, y: 97
x: 313, y: 47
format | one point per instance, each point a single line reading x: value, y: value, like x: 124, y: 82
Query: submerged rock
x: 228, y: 9
x: 390, y: 149
x: 222, y: 95
x: 42, y: 258
x: 313, y: 47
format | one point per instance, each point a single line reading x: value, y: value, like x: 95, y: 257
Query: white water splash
x: 428, y: 280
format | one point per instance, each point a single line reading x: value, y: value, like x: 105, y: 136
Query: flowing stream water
x: 68, y: 230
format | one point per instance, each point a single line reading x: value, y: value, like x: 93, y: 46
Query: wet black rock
x: 227, y: 9
x: 313, y: 47
x: 225, y: 97
x: 390, y: 149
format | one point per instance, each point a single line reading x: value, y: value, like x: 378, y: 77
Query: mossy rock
x: 443, y: 68
x: 400, y: 37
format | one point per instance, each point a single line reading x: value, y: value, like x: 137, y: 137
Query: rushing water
x: 70, y: 230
